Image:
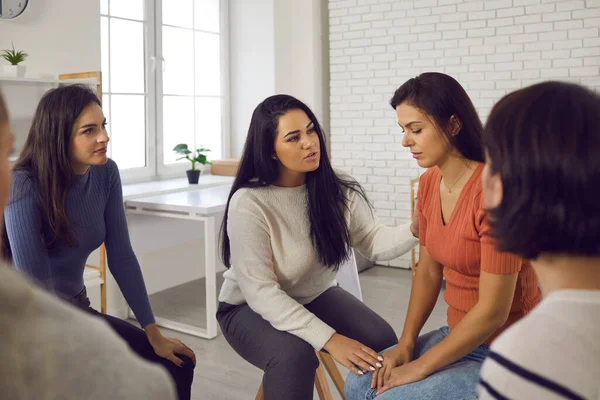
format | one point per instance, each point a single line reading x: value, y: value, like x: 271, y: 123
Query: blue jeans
x: 455, y: 381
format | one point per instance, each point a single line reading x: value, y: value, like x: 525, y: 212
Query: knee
x: 299, y: 358
x: 186, y: 371
x: 358, y: 387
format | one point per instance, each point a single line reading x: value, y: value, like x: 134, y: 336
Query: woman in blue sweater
x: 66, y: 200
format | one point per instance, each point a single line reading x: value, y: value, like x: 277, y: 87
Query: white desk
x: 198, y: 205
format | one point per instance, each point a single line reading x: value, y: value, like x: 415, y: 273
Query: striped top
x: 465, y: 248
x: 96, y: 212
x: 553, y: 353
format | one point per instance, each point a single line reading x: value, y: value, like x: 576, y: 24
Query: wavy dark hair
x: 45, y: 158
x: 440, y: 96
x: 544, y: 141
x: 329, y: 230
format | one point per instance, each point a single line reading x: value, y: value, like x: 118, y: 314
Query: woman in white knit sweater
x: 291, y: 221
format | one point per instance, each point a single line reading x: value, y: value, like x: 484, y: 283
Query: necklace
x: 461, y: 175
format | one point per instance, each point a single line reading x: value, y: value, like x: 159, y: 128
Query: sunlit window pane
x: 126, y: 56
x: 178, y: 13
x: 178, y: 125
x: 128, y: 130
x: 104, y: 52
x: 208, y: 125
x: 132, y: 9
x: 207, y: 53
x: 206, y: 15
x: 179, y: 61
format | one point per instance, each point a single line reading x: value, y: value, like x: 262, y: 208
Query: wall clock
x: 12, y: 8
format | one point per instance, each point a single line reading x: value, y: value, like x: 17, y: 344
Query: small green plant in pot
x: 14, y: 57
x: 193, y: 157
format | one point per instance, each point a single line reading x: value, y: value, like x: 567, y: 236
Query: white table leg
x: 210, y: 263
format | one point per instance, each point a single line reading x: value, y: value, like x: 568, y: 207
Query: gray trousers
x: 289, y: 363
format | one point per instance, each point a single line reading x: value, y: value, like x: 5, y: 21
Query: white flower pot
x: 13, y: 71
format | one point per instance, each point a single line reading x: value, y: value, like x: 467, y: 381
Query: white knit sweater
x: 275, y: 268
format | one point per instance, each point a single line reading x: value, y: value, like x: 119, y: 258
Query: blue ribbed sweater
x: 95, y: 208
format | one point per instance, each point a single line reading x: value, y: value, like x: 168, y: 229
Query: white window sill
x: 137, y: 190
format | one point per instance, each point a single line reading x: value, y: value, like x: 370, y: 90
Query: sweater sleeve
x: 251, y: 260
x: 492, y: 260
x: 23, y: 218
x: 122, y: 262
x: 372, y: 239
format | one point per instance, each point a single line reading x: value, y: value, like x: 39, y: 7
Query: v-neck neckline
x: 476, y: 173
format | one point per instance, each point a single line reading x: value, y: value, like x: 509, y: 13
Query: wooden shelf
x: 88, y: 81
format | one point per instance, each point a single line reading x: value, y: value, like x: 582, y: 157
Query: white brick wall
x: 491, y: 47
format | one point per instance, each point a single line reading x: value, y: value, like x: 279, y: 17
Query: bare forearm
x: 467, y: 335
x: 423, y: 297
x: 153, y: 333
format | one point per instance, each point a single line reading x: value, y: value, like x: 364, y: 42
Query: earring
x: 274, y: 157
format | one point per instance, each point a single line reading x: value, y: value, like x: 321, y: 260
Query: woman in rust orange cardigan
x: 486, y: 290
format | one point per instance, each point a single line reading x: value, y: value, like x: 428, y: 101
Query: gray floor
x: 222, y: 375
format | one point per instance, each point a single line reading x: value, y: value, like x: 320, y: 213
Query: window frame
x: 155, y: 168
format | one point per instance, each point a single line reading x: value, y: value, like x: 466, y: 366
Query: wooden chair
x: 96, y: 275
x: 347, y: 277
x: 414, y: 183
x: 326, y: 362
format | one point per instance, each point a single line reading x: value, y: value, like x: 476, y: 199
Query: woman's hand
x: 403, y: 375
x: 168, y: 347
x: 399, y: 355
x: 352, y: 354
x: 414, y: 225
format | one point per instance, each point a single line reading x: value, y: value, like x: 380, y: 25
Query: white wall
x: 252, y: 63
x: 61, y: 36
x: 491, y: 47
x: 276, y: 46
x: 300, y: 62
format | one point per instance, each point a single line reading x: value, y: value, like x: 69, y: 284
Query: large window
x: 163, y: 78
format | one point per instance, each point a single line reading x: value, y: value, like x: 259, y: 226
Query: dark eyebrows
x: 291, y: 133
x: 409, y: 124
x: 91, y: 125
x: 310, y: 123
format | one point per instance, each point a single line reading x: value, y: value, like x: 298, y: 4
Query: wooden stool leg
x: 259, y: 395
x: 334, y: 372
x: 321, y: 382
x: 325, y: 362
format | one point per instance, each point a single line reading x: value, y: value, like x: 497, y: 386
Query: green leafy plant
x: 182, y: 149
x: 14, y: 57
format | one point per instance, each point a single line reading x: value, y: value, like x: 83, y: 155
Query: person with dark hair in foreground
x: 486, y: 290
x: 65, y: 202
x: 540, y: 186
x: 51, y: 350
x: 290, y: 223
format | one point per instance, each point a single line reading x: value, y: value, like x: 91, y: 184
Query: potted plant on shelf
x: 192, y: 174
x: 14, y: 70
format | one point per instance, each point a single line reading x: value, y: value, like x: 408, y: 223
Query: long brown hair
x: 45, y: 159
x: 440, y: 96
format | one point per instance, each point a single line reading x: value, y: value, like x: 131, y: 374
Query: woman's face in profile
x: 297, y: 145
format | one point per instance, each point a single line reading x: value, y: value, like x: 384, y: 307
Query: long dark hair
x: 544, y: 142
x: 440, y: 96
x: 329, y: 230
x: 45, y: 158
